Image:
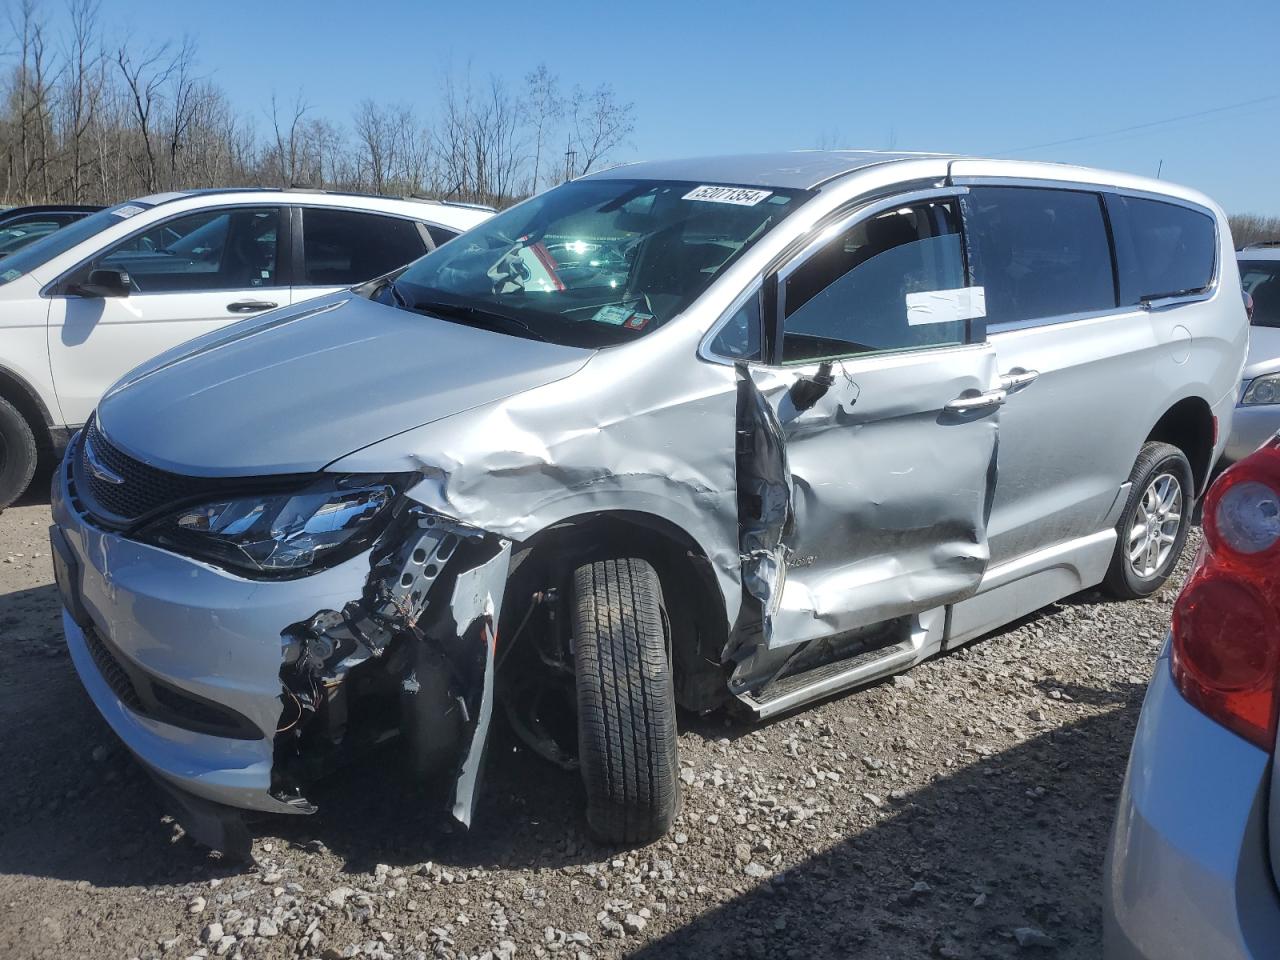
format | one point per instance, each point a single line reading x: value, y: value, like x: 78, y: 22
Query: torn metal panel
x: 765, y: 512
x: 891, y: 489
x: 475, y: 607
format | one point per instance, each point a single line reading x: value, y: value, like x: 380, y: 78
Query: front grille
x: 141, y: 489
x: 118, y: 489
x: 150, y: 697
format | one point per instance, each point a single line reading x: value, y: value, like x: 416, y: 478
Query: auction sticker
x: 614, y: 314
x: 741, y: 196
x: 128, y: 210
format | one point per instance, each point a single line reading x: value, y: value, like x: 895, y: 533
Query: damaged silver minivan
x: 745, y: 430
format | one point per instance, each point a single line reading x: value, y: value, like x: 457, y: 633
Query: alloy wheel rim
x: 1154, y: 529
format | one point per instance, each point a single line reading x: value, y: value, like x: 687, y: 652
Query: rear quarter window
x: 1162, y: 249
x: 1039, y: 253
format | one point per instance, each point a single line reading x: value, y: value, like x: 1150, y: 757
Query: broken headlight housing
x: 285, y: 533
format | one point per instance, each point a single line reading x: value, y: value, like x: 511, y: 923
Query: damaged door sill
x: 798, y: 689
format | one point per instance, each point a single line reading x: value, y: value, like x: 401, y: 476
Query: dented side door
x: 866, y: 480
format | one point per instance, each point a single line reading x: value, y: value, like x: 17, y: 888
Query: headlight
x: 1264, y: 389
x: 278, y: 534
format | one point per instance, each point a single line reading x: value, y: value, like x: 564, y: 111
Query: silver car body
x: 935, y: 493
x: 1255, y: 424
x: 1188, y: 871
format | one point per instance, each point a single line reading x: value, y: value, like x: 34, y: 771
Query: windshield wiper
x: 475, y: 316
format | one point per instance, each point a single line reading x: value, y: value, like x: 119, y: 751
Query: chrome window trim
x: 822, y: 234
x: 1009, y: 326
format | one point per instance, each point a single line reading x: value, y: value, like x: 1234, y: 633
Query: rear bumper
x: 1187, y: 872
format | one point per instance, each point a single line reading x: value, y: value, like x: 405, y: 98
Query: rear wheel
x: 626, y: 701
x: 1153, y: 527
x: 17, y: 453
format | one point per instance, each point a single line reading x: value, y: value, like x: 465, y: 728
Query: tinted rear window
x: 1261, y: 280
x: 1039, y: 253
x: 1163, y: 249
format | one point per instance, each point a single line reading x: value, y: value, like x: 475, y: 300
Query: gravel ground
x: 961, y: 810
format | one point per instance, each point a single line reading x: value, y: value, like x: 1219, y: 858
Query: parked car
x: 1257, y: 418
x: 22, y: 226
x: 124, y: 284
x: 748, y: 430
x: 1191, y: 868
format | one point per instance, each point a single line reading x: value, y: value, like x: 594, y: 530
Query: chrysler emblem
x: 98, y: 468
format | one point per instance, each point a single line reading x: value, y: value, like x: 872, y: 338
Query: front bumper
x: 1251, y: 427
x: 1187, y: 874
x: 196, y: 630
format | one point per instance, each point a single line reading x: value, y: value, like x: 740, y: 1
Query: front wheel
x: 1153, y: 527
x: 626, y: 701
x: 17, y: 453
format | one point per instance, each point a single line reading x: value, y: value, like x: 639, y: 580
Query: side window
x: 894, y: 281
x: 342, y: 248
x: 210, y: 250
x: 439, y: 235
x: 1039, y: 253
x: 1163, y: 249
x: 739, y: 338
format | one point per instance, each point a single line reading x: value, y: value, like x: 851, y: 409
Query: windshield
x: 60, y: 241
x: 594, y: 262
x: 1261, y: 280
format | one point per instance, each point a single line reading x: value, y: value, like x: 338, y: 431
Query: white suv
x: 81, y: 307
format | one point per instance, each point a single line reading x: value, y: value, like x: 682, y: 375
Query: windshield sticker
x: 10, y: 275
x: 128, y: 210
x: 946, y: 306
x: 740, y: 196
x: 613, y: 314
x: 638, y: 321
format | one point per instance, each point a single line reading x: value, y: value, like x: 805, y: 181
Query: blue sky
x: 979, y: 77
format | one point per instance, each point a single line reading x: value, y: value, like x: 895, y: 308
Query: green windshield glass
x: 595, y: 262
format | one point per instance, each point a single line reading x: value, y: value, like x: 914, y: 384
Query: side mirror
x: 104, y: 283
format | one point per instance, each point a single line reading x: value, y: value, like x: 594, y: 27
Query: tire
x: 18, y: 453
x: 1130, y: 579
x: 626, y: 701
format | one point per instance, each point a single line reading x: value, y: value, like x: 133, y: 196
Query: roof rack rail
x: 452, y: 203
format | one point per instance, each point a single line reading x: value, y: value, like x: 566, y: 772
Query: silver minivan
x: 746, y: 430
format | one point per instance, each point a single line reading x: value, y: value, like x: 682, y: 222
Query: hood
x: 1264, y: 352
x: 294, y: 390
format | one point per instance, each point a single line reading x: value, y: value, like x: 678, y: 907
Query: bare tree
x: 288, y: 139
x: 599, y: 123
x: 145, y: 77
x: 83, y: 91
x: 545, y: 110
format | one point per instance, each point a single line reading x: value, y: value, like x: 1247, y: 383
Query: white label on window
x: 128, y: 211
x: 613, y: 314
x: 946, y: 306
x: 742, y: 196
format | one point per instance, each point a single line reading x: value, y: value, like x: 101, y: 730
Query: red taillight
x: 1226, y: 621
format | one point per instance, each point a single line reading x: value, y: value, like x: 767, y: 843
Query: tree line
x: 87, y: 120
x: 1247, y: 228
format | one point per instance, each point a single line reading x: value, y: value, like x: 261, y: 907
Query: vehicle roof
x: 445, y: 212
x: 1267, y: 251
x: 824, y: 169
x: 795, y: 169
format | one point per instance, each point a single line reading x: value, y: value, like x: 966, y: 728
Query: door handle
x: 1017, y: 378
x: 978, y: 401
x: 250, y: 306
